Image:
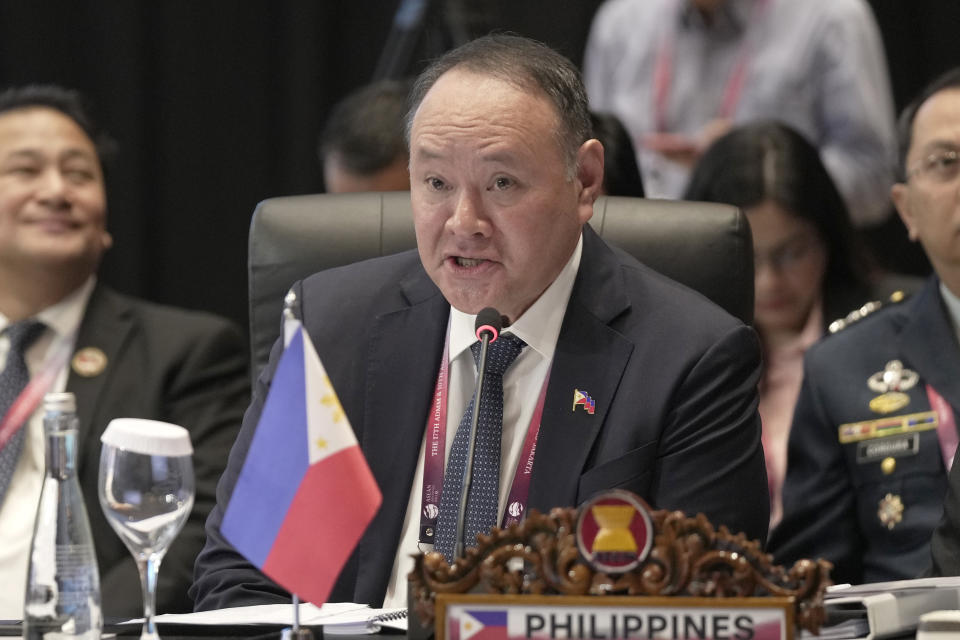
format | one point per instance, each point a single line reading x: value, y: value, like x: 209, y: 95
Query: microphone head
x: 489, y: 321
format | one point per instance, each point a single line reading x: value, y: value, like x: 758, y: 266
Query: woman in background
x: 807, y: 268
x: 621, y: 175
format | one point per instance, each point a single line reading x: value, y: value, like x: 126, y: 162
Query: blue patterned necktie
x: 484, y: 494
x: 13, y: 379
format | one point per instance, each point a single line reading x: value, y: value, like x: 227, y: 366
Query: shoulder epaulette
x: 861, y: 313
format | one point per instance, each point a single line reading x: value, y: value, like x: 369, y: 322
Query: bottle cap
x: 148, y: 437
x: 938, y: 624
x: 64, y: 402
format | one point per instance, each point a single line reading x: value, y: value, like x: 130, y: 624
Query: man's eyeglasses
x: 939, y: 166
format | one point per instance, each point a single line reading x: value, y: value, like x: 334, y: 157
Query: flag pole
x: 296, y: 633
x: 290, y: 308
x: 289, y: 326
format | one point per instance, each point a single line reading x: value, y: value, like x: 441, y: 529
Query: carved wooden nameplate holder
x: 684, y: 556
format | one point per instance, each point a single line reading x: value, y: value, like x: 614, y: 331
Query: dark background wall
x: 216, y: 105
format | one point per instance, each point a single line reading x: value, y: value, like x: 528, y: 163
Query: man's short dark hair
x: 947, y: 80
x: 528, y: 65
x: 365, y: 130
x: 68, y: 102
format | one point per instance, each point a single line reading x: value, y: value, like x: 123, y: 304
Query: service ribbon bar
x: 882, y: 427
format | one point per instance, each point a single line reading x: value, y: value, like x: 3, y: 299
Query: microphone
x: 489, y: 322
x: 488, y: 325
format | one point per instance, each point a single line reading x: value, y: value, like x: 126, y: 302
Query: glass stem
x: 149, y: 567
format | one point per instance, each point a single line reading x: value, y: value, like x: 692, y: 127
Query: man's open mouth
x: 469, y: 262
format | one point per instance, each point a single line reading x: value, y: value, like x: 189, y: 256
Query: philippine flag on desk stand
x: 305, y: 494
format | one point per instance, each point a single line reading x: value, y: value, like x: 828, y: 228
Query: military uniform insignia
x: 859, y: 314
x: 89, y: 362
x: 894, y: 377
x: 889, y: 402
x: 890, y: 511
x: 891, y: 383
x: 884, y: 427
x: 888, y: 466
x: 614, y: 531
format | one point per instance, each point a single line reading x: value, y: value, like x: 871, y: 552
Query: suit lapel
x: 590, y: 357
x: 403, y: 359
x: 929, y: 343
x: 106, y: 324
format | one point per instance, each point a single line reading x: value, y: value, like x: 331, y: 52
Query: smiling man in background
x: 129, y: 358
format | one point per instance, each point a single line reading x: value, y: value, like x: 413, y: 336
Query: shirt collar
x: 952, y: 303
x: 730, y: 19
x: 539, y: 326
x: 63, y: 318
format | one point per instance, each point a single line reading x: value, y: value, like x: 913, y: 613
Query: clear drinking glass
x: 146, y: 488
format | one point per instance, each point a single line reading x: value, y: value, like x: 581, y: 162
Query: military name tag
x: 893, y: 447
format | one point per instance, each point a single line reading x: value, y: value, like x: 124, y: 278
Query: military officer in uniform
x: 874, y: 431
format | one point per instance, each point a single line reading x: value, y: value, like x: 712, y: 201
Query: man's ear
x: 900, y: 194
x: 590, y: 176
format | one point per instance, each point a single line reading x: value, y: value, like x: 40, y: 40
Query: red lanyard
x: 946, y: 426
x: 435, y: 450
x: 663, y: 74
x: 31, y: 396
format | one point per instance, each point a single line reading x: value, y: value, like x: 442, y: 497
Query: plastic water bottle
x: 63, y: 585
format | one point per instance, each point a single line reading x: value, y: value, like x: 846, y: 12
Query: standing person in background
x: 129, y: 358
x: 874, y: 431
x: 362, y: 147
x: 679, y: 73
x: 806, y: 268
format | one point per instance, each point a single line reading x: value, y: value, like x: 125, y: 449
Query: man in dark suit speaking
x: 623, y: 379
x: 127, y: 358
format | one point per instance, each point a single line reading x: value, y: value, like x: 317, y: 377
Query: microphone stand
x: 468, y: 469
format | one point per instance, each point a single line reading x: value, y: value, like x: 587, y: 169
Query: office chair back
x: 707, y: 247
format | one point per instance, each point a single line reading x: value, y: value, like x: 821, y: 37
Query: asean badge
x: 890, y: 511
x: 89, y: 362
x: 614, y: 531
x: 890, y: 384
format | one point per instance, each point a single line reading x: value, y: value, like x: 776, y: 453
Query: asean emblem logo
x: 614, y: 531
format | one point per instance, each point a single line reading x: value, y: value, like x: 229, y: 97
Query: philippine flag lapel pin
x: 583, y: 399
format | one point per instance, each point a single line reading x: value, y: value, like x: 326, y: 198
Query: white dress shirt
x: 19, y: 508
x: 539, y: 327
x: 952, y: 303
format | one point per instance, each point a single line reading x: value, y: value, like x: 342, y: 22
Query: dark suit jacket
x: 834, y: 492
x: 674, y: 378
x: 178, y: 366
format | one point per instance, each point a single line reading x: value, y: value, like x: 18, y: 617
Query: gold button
x: 888, y: 465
